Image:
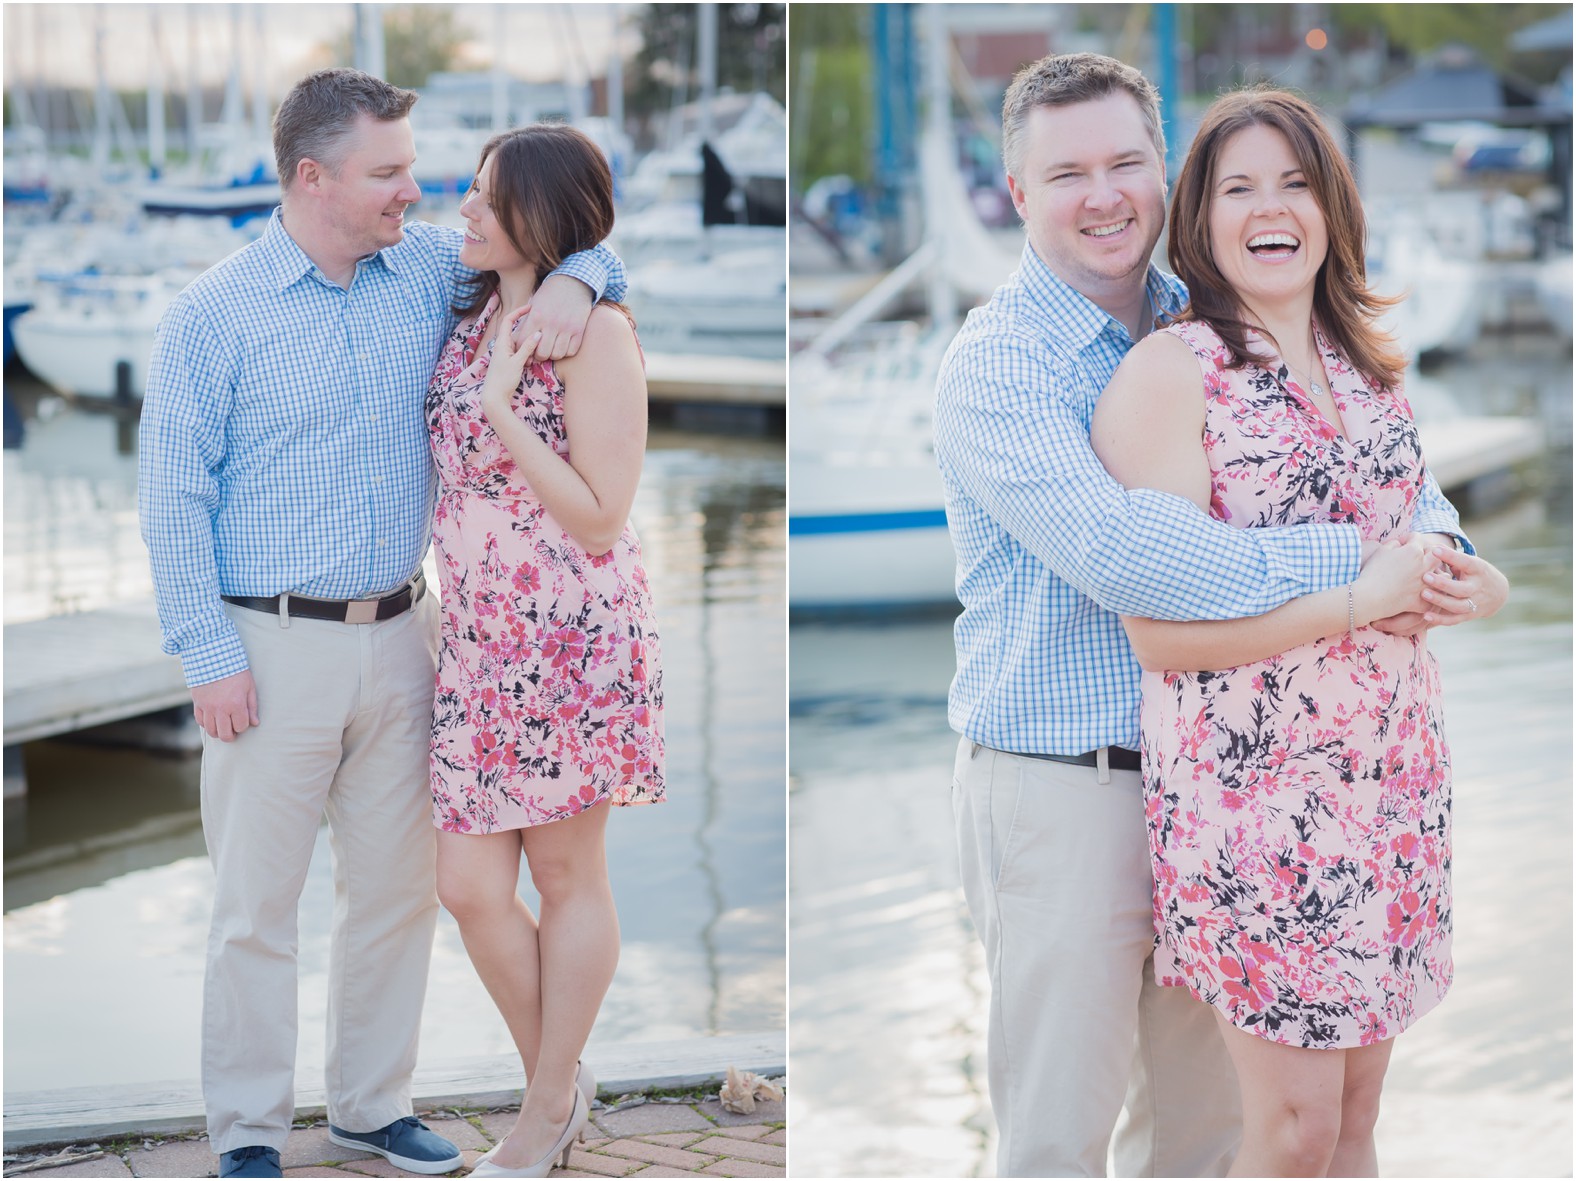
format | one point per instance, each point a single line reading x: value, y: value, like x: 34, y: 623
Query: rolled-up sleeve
x: 599, y: 269
x: 1435, y: 514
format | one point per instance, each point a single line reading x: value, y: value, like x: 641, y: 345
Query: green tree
x: 1420, y: 28
x: 750, y: 52
x: 419, y: 40
x: 831, y: 119
x: 1426, y: 27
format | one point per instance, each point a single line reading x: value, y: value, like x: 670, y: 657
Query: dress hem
x: 605, y: 798
x: 1266, y: 1034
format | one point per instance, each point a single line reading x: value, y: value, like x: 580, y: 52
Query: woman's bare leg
x: 478, y: 883
x: 1291, y: 1105
x: 1355, y: 1155
x: 577, y: 939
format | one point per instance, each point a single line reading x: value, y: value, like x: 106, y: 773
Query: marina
x: 107, y: 874
x: 891, y: 991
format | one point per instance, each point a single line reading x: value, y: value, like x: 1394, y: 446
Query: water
x: 107, y: 883
x: 889, y: 988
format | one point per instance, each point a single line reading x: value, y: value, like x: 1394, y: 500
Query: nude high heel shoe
x: 559, y: 1151
x: 586, y: 1081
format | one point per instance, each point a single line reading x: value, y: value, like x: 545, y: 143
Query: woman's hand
x: 1476, y: 591
x: 507, y: 366
x: 1391, y: 582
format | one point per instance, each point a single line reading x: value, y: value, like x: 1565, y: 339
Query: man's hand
x: 1408, y: 623
x: 559, y: 312
x: 227, y: 707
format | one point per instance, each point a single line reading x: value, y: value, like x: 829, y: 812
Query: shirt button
x: 361, y: 356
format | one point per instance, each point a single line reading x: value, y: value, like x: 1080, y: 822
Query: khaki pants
x: 346, y: 719
x: 1056, y: 873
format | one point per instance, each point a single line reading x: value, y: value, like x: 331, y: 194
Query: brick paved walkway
x: 690, y: 1137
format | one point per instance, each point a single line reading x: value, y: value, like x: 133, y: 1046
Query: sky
x: 56, y: 40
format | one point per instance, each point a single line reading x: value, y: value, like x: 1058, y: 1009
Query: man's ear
x: 309, y: 174
x: 1018, y: 197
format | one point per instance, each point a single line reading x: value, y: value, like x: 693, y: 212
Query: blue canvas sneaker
x: 252, y: 1161
x: 407, y: 1142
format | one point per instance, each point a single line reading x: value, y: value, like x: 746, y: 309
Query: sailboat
x: 866, y: 518
x: 234, y: 176
x: 708, y: 253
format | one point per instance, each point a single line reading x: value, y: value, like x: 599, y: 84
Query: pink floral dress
x: 549, y: 687
x: 1299, y: 808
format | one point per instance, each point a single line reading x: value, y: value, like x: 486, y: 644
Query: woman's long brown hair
x: 552, y: 193
x: 1343, y: 303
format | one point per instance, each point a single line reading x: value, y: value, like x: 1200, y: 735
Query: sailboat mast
x: 101, y: 95
x: 370, y: 57
x: 500, y: 74
x: 157, y: 147
x: 938, y: 119
x: 706, y: 52
x: 260, y: 120
x: 193, y: 88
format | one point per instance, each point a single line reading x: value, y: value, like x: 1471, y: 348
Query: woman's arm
x: 1149, y: 432
x: 1392, y: 575
x: 604, y: 419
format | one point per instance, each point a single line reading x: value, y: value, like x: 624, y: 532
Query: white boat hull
x: 867, y: 536
x: 78, y: 356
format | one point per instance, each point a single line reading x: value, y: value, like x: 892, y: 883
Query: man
x: 1046, y: 788
x: 286, y: 495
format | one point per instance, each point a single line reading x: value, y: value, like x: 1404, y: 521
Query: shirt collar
x: 1077, y: 319
x: 287, y: 262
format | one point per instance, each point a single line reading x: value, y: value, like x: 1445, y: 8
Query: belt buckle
x: 361, y: 611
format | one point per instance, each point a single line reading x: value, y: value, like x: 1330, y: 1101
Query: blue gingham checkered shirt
x: 284, y: 441
x: 1051, y: 549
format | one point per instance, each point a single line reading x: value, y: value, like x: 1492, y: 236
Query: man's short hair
x: 317, y: 115
x: 1066, y: 78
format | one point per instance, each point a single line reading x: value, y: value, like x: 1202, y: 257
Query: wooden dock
x: 729, y: 381
x: 1460, y: 450
x: 69, y: 672
x: 82, y: 1114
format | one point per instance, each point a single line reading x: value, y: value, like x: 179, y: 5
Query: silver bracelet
x: 1351, y: 611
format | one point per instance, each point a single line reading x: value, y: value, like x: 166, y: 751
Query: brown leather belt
x: 338, y: 610
x: 1121, y: 759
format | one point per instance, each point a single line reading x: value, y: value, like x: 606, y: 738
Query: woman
x: 1296, y: 777
x: 549, y: 695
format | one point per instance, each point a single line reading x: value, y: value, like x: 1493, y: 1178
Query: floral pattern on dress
x: 549, y: 684
x: 1298, y: 808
